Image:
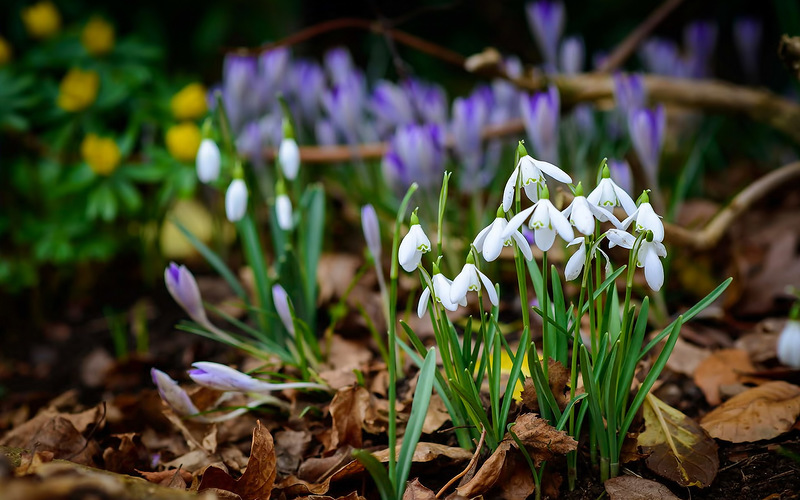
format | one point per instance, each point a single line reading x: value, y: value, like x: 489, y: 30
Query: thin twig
x: 621, y: 53
x: 469, y: 465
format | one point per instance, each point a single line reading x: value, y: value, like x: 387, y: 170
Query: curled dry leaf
x: 558, y: 377
x: 417, y: 491
x: 680, y: 450
x: 637, y: 488
x: 258, y: 479
x: 763, y: 412
x: 723, y: 367
x: 348, y: 411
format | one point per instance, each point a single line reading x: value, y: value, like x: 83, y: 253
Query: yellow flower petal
x: 183, y: 141
x: 190, y: 102
x: 42, y: 20
x: 78, y: 90
x: 98, y: 36
x: 101, y: 153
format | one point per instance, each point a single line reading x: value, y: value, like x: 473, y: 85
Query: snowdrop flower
x: 618, y: 237
x: 283, y: 211
x: 789, y: 344
x: 582, y: 213
x: 609, y: 194
x: 575, y: 263
x: 281, y: 300
x: 441, y: 292
x: 183, y: 288
x: 172, y: 394
x: 490, y: 240
x: 208, y: 161
x: 236, y: 200
x: 414, y: 244
x: 646, y: 219
x: 530, y: 171
x: 649, y: 257
x: 289, y: 157
x: 469, y: 280
x: 224, y: 378
x: 546, y: 220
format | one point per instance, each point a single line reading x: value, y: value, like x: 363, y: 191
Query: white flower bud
x: 283, y: 211
x: 289, y: 158
x: 236, y: 200
x: 789, y: 344
x: 208, y: 161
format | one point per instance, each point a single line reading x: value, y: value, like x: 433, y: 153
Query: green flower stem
x: 548, y: 346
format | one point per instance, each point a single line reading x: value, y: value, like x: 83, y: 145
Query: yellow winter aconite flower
x: 101, y: 153
x: 190, y: 102
x: 42, y: 20
x: 78, y: 90
x: 98, y: 36
x: 183, y: 140
x: 5, y: 51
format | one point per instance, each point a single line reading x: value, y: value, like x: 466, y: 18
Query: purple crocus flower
x: 344, y: 105
x: 629, y: 91
x: 307, y: 85
x: 620, y: 171
x: 281, y: 300
x: 505, y: 94
x: 224, y: 378
x: 239, y: 84
x: 699, y: 39
x: 661, y: 56
x: 273, y: 66
x: 429, y: 100
x: 646, y: 129
x: 546, y: 21
x: 249, y: 143
x: 470, y: 115
x: 183, y: 288
x: 540, y: 112
x: 372, y: 230
x: 339, y: 64
x: 390, y: 106
x: 572, y: 55
x: 325, y: 133
x: 172, y: 394
x: 416, y: 154
x: 747, y: 37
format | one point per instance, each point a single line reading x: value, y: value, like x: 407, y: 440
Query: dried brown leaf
x: 437, y: 415
x: 258, y: 479
x: 686, y: 357
x: 348, y: 410
x: 637, y: 488
x: 417, y: 491
x: 290, y: 446
x: 172, y: 478
x: 542, y: 440
x: 723, y: 367
x: 763, y: 412
x: 558, y: 377
x: 680, y: 450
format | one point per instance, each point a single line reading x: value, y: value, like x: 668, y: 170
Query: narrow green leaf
x: 378, y: 473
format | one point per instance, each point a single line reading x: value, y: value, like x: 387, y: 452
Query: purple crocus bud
x: 325, y: 133
x: 281, y: 300
x: 540, y: 112
x: 629, y: 92
x: 339, y: 64
x: 390, y: 106
x: 239, y: 83
x: 273, y: 67
x: 505, y: 93
x: 344, y: 105
x: 429, y: 100
x: 416, y: 154
x: 572, y: 55
x: 546, y: 21
x: 172, y: 394
x: 307, y: 84
x: 470, y: 115
x: 249, y: 143
x: 747, y: 37
x: 224, y: 378
x: 372, y: 230
x: 661, y: 56
x: 183, y: 288
x: 620, y: 171
x: 699, y: 38
x: 646, y: 129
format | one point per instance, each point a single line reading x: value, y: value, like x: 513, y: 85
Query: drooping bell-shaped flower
x: 281, y: 300
x: 224, y: 378
x: 470, y: 280
x: 414, y: 244
x: 582, y: 213
x: 236, y: 200
x: 608, y: 194
x: 546, y: 21
x: 789, y: 344
x: 540, y: 113
x: 173, y: 395
x: 571, y: 55
x: 283, y: 207
x: 747, y: 38
x: 649, y: 257
x: 646, y: 219
x: 183, y: 288
x: 416, y: 154
x: 646, y: 128
x: 530, y: 173
x: 208, y: 161
x: 490, y: 240
x: 441, y: 292
x: 545, y: 220
x: 289, y: 152
x: 576, y: 262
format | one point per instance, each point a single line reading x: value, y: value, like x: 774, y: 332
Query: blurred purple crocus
x: 747, y: 37
x: 540, y: 113
x: 546, y: 21
x: 390, y: 106
x: 470, y: 115
x: 307, y: 84
x: 273, y: 66
x: 224, y: 378
x: 572, y: 55
x: 661, y: 56
x: 699, y: 39
x: 339, y: 64
x: 325, y: 133
x: 505, y: 93
x: 172, y: 394
x: 239, y: 83
x: 629, y: 92
x: 646, y: 129
x: 183, y: 288
x: 372, y: 230
x: 416, y: 154
x: 620, y: 171
x: 429, y: 100
x: 281, y: 300
x: 344, y: 105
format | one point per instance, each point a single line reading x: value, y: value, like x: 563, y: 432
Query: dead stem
x: 471, y: 464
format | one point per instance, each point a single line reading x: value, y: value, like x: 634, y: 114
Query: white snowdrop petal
x: 653, y: 271
x: 553, y: 171
x: 544, y: 238
x: 575, y: 263
x: 523, y: 245
x: 624, y: 199
x: 510, y: 188
x: 516, y: 222
x: 561, y: 224
x: 479, y: 240
x: 407, y: 254
x: 422, y: 306
x: 459, y: 287
x: 532, y: 191
x: 489, y: 286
